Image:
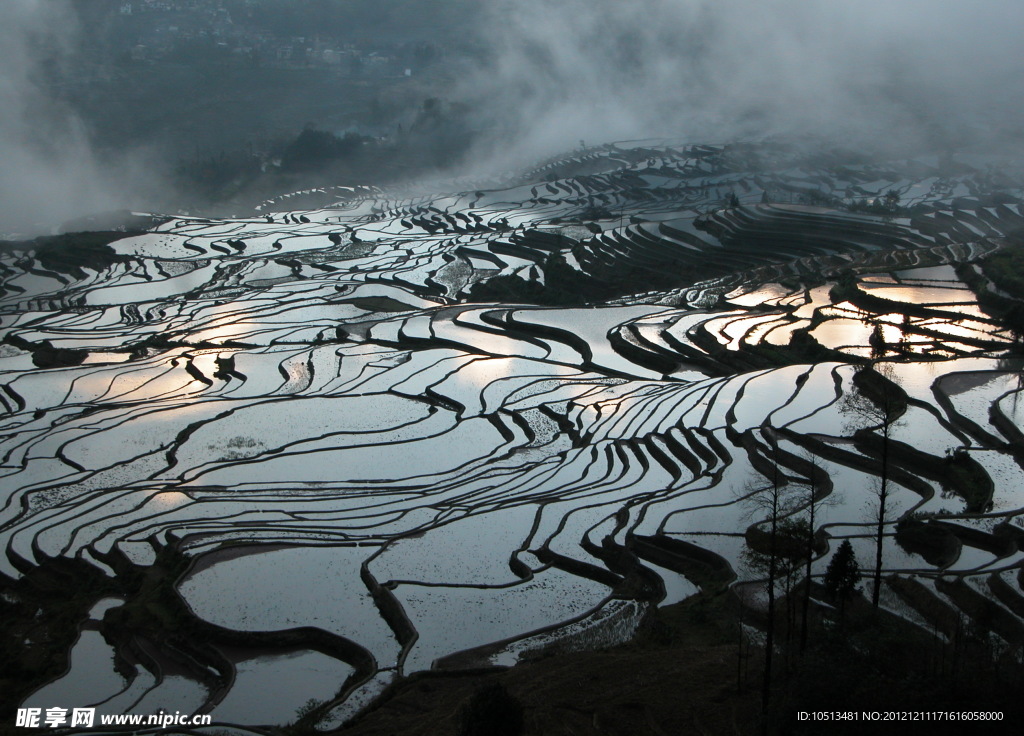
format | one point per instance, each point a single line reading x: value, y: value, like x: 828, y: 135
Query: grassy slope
x: 677, y: 677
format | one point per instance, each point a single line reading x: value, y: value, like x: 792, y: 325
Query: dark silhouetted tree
x: 877, y: 341
x: 842, y: 575
x: 877, y: 402
x: 770, y: 503
x: 892, y: 200
x: 817, y: 487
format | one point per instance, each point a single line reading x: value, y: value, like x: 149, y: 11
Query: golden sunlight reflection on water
x: 167, y: 500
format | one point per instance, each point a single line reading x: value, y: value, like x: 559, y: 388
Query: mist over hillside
x: 911, y: 74
x: 107, y: 103
x: 49, y: 165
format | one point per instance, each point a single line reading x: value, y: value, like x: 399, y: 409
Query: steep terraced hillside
x: 315, y: 450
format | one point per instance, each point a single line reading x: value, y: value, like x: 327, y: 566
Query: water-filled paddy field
x: 311, y: 452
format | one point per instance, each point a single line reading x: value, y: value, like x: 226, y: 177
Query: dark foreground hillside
x: 687, y: 672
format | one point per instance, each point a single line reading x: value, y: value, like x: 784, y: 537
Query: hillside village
x: 175, y: 31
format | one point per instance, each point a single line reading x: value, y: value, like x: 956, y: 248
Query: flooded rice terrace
x: 309, y: 452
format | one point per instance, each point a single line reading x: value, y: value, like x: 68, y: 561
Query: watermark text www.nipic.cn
x: 86, y: 718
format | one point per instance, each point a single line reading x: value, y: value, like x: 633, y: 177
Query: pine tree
x: 842, y: 574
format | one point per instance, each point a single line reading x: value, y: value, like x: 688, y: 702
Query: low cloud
x: 910, y: 74
x: 907, y: 75
x: 50, y: 172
